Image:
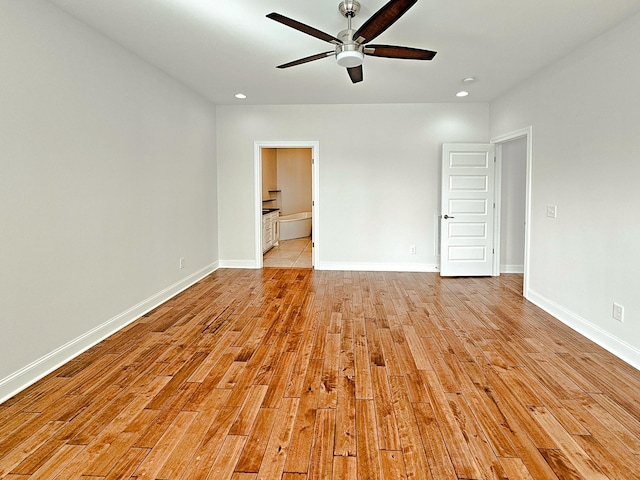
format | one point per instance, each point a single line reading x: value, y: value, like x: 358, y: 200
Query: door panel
x: 466, y: 239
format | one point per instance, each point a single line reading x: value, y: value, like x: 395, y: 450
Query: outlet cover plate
x: 618, y: 312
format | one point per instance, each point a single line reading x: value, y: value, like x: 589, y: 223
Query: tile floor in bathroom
x: 294, y: 253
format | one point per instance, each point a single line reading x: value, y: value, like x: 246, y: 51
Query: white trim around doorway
x: 257, y: 177
x: 527, y: 133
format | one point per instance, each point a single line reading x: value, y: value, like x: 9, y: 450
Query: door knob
x: 447, y: 217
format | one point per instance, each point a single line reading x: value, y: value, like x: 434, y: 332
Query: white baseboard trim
x: 378, y: 267
x: 611, y: 343
x: 238, y: 264
x: 29, y: 374
x: 511, y: 268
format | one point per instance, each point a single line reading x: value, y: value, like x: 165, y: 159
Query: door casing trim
x: 527, y: 133
x: 315, y: 186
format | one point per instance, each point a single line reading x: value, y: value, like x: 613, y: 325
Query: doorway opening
x: 286, y: 204
x: 513, y: 203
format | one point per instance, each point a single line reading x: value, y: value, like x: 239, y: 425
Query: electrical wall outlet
x: 412, y: 249
x: 552, y: 211
x: 181, y: 263
x: 618, y: 312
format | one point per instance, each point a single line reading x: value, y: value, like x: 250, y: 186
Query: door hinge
x: 313, y: 204
x: 494, y: 204
x: 313, y: 244
x: 493, y: 250
x: 313, y: 161
x: 494, y: 159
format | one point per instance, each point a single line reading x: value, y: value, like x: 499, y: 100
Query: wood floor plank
x: 301, y: 363
x: 279, y: 444
x: 368, y: 457
x: 515, y: 469
x: 612, y: 434
x: 461, y: 456
x: 364, y: 387
x: 392, y: 465
x: 480, y: 447
x: 165, y: 417
x: 413, y: 450
x: 295, y: 374
x: 321, y: 461
x: 630, y: 422
x: 433, y: 441
x: 298, y: 459
x: 345, y: 441
x: 194, y: 434
x: 396, y: 359
x: 20, y: 458
x: 226, y: 460
x: 244, y: 476
x: 127, y: 463
x: 153, y: 462
x: 58, y: 460
x: 487, y: 414
x: 279, y: 380
x: 570, y: 456
x: 614, y: 466
x: 417, y: 348
x: 344, y: 468
x: 254, y: 449
x: 385, y: 417
x: 205, y: 455
x: 328, y: 395
x: 249, y: 410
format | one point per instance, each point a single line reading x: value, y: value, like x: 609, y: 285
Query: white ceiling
x: 221, y: 47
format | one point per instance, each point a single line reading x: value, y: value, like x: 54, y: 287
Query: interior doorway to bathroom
x: 514, y: 163
x: 286, y: 204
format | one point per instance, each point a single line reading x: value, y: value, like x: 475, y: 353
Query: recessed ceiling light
x: 462, y: 93
x: 240, y: 95
x: 468, y: 79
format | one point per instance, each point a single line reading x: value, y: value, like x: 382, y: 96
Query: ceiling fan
x: 353, y: 45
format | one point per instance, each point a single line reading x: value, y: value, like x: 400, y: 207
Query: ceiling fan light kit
x: 351, y: 46
x: 349, y: 56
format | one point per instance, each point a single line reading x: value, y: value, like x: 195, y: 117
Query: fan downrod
x: 349, y: 8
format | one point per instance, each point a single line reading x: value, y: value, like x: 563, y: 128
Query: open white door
x: 467, y: 210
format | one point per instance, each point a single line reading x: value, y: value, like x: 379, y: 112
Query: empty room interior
x: 385, y: 239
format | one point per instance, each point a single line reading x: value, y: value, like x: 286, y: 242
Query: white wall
x: 512, y: 205
x: 379, y: 179
x: 108, y: 177
x: 586, y: 160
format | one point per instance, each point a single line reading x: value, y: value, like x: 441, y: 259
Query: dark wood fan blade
x: 394, y: 51
x: 355, y: 73
x: 314, y: 32
x: 382, y: 19
x: 306, y: 59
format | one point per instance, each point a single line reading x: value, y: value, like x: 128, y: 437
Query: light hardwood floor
x: 297, y: 374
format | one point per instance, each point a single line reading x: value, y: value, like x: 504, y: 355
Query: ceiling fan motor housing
x: 349, y: 54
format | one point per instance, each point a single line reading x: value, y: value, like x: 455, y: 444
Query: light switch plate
x: 551, y: 211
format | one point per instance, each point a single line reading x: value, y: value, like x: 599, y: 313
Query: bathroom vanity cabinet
x: 270, y: 230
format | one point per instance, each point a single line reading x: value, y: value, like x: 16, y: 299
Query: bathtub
x: 295, y: 225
